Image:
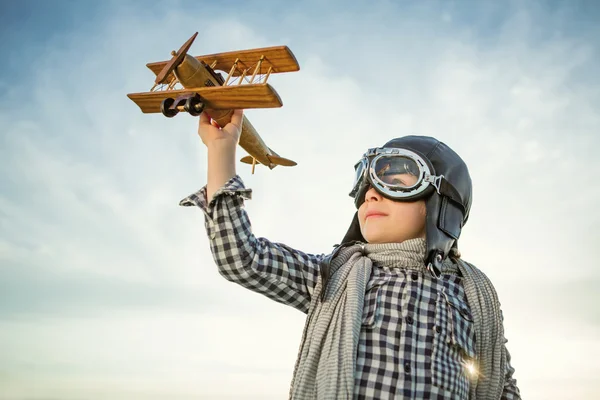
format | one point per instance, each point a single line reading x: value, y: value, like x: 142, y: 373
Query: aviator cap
x: 447, y: 210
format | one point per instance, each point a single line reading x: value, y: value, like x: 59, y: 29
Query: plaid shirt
x: 417, y: 332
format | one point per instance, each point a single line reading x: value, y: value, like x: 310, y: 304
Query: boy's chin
x: 377, y: 239
x: 380, y: 239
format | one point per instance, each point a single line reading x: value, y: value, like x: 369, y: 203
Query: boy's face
x: 387, y: 221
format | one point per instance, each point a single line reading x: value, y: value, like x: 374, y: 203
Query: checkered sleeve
x: 275, y: 270
x: 511, y: 391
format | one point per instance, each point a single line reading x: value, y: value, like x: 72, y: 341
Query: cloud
x: 91, y: 235
x: 146, y: 355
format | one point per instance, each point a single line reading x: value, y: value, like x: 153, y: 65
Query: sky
x: 108, y: 289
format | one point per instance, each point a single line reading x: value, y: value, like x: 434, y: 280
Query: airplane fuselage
x: 192, y: 73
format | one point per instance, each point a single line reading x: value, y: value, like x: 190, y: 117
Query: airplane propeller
x: 175, y: 61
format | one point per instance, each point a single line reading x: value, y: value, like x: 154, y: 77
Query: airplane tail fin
x: 274, y: 158
x: 249, y: 160
x: 278, y: 160
x: 286, y: 162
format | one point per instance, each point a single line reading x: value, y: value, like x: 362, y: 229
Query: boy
x: 393, y: 312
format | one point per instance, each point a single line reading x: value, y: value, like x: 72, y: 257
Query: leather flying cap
x: 445, y: 218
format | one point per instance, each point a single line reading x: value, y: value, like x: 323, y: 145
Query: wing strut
x: 262, y: 57
x: 233, y: 67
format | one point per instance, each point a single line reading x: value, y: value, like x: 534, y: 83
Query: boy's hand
x: 221, y: 144
x: 212, y: 134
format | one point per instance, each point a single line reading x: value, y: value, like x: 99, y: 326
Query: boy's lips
x: 374, y: 213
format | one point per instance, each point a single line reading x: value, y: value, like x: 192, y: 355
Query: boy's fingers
x: 204, y: 118
x: 236, y: 117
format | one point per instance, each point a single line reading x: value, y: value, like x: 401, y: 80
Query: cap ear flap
x: 354, y: 232
x: 360, y: 194
x: 450, y: 220
x: 443, y: 226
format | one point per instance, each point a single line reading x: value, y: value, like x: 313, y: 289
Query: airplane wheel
x: 164, y: 108
x: 194, y: 106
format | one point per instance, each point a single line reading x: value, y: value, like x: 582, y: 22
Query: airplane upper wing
x: 279, y: 58
x: 214, y: 97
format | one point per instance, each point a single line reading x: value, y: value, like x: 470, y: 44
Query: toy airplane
x: 206, y: 90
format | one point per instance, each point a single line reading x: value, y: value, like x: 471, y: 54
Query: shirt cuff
x: 234, y: 186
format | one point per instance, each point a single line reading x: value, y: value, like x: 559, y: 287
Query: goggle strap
x: 446, y: 189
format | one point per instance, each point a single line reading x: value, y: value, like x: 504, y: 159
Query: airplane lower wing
x: 214, y: 97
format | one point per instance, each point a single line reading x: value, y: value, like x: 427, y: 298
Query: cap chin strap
x: 434, y: 266
x: 443, y: 188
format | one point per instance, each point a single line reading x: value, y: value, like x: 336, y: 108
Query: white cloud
x: 92, y: 187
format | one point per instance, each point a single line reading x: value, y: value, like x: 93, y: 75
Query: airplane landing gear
x: 165, y: 108
x: 171, y: 107
x: 194, y: 106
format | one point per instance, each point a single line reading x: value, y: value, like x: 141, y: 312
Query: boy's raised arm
x: 281, y: 273
x: 221, y: 145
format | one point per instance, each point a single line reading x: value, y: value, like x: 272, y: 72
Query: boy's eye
x: 402, y: 180
x: 393, y: 181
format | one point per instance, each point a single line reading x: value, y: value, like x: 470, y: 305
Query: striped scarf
x: 327, y: 355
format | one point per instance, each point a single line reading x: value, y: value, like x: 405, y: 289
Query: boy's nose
x: 372, y: 195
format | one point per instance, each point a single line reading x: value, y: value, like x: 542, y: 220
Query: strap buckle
x: 436, y: 182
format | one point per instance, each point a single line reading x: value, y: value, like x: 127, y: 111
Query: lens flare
x: 470, y: 368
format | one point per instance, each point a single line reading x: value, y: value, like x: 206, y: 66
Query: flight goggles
x: 398, y: 174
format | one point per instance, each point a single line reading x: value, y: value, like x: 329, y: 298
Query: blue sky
x: 108, y: 286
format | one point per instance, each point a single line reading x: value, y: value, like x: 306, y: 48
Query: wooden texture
x: 220, y: 101
x: 167, y: 70
x: 275, y: 160
x: 251, y: 141
x: 279, y: 58
x: 214, y: 97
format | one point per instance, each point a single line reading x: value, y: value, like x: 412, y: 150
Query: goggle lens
x: 397, y: 172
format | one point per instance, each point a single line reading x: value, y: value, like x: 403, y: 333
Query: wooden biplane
x: 204, y: 89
